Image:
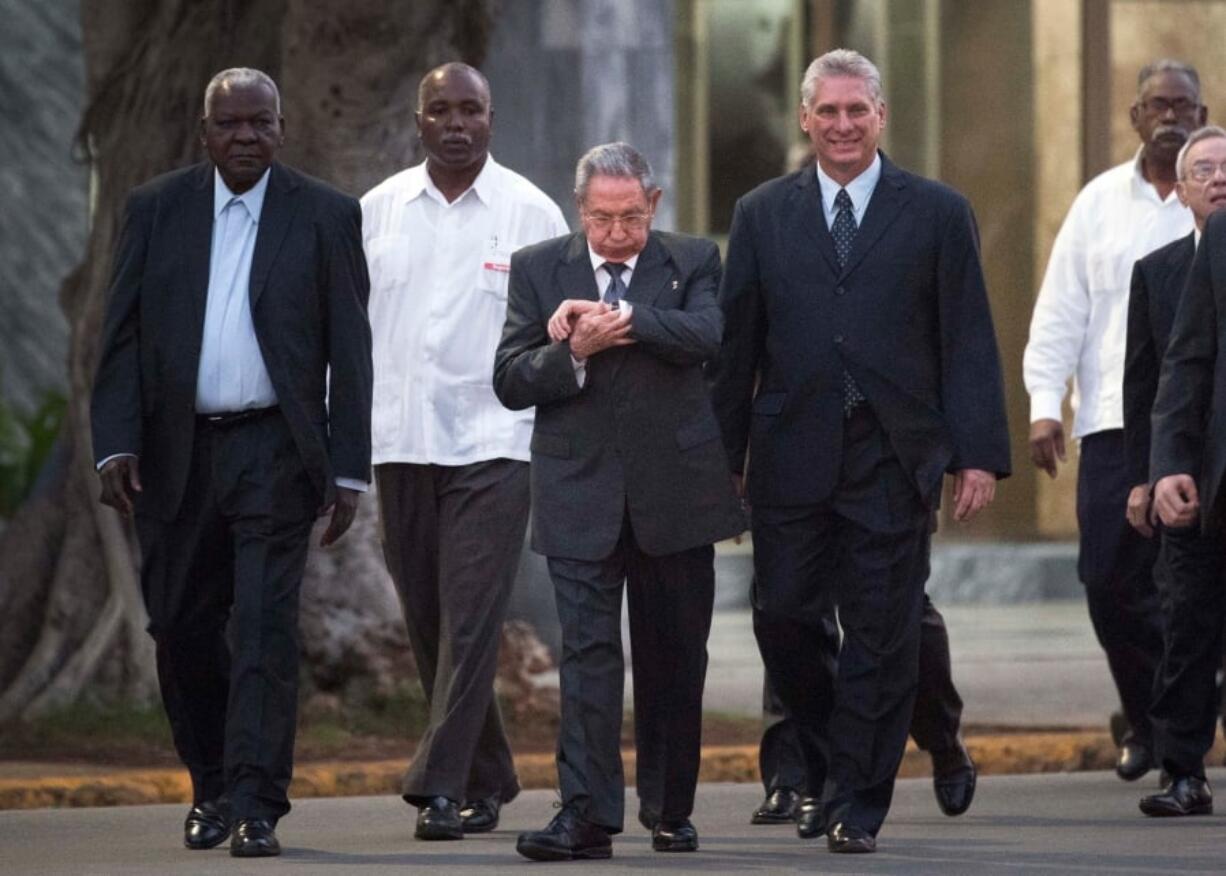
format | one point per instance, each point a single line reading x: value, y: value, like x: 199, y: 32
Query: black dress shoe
x: 953, y: 779
x: 847, y: 839
x: 206, y: 826
x: 1187, y: 795
x: 480, y: 816
x: 569, y: 837
x: 676, y: 836
x: 1134, y: 761
x: 810, y: 822
x: 779, y: 807
x: 254, y: 838
x: 439, y: 819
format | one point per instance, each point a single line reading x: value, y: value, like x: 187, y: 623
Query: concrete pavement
x: 1083, y: 823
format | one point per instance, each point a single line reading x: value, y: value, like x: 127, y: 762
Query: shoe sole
x: 760, y: 818
x: 679, y: 847
x: 432, y: 836
x: 852, y: 849
x: 1167, y: 812
x: 549, y: 853
x: 200, y: 847
x: 253, y: 853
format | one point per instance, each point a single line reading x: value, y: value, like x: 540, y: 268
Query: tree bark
x: 71, y: 616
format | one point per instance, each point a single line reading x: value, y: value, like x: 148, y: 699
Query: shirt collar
x: 1144, y: 187
x: 599, y: 260
x: 484, y: 186
x: 253, y: 198
x: 859, y: 189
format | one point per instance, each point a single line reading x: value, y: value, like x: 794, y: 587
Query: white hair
x: 1208, y: 132
x: 240, y: 77
x: 613, y: 159
x: 840, y: 62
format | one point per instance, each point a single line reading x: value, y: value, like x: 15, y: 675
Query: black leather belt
x: 226, y: 419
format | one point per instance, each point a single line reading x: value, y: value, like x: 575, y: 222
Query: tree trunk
x: 71, y: 617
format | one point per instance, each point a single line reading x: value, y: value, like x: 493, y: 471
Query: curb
x: 1054, y: 751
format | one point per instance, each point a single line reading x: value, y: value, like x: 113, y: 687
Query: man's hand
x: 120, y: 483
x: 1176, y: 500
x: 563, y: 320
x: 594, y: 332
x: 974, y: 490
x: 343, y: 511
x: 1138, y: 510
x: 1047, y: 444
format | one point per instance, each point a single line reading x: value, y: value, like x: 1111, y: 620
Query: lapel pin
x: 674, y: 284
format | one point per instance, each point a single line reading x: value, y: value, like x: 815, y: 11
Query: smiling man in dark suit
x: 607, y: 331
x: 855, y: 304
x: 1189, y: 568
x: 231, y: 407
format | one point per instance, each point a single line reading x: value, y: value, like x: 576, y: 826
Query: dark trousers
x: 935, y: 722
x: 865, y: 551
x: 452, y: 537
x: 670, y: 602
x: 1185, y: 705
x: 1116, y: 565
x: 234, y: 556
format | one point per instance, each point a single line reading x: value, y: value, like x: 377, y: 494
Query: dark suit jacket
x: 1189, y: 417
x: 639, y: 437
x: 308, y: 293
x: 908, y: 317
x: 1157, y: 285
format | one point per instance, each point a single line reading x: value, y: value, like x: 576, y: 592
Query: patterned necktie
x: 843, y: 230
x: 616, y: 290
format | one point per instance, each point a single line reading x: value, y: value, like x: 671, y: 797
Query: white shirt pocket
x: 494, y: 272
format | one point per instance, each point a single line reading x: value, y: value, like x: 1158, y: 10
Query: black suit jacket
x: 639, y: 438
x: 1157, y: 286
x: 1189, y: 417
x: 908, y: 317
x: 308, y: 293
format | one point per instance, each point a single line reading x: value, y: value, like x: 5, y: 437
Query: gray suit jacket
x: 639, y: 439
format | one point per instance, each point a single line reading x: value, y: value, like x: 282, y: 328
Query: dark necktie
x: 616, y: 290
x: 843, y: 230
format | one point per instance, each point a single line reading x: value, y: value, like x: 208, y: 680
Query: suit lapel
x: 889, y: 197
x: 276, y: 216
x: 804, y: 211
x: 576, y: 279
x: 652, y: 272
x: 196, y: 248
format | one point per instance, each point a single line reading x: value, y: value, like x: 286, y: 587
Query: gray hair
x: 240, y: 77
x: 840, y: 62
x: 1209, y: 132
x: 1168, y: 65
x: 613, y: 159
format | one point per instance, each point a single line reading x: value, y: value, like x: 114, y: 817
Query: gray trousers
x: 452, y: 537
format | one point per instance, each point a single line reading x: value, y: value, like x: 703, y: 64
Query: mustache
x: 1170, y: 130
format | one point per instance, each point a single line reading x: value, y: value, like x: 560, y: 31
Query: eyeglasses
x: 1158, y: 106
x: 629, y: 222
x: 1203, y: 171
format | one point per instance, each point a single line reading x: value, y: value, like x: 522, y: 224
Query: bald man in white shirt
x: 451, y: 463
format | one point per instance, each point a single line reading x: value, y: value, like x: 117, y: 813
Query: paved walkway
x: 1081, y: 823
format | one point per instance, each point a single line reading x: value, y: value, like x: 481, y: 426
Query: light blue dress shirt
x: 232, y: 375
x: 860, y: 190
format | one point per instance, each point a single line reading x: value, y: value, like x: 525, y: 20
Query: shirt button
x: 838, y: 339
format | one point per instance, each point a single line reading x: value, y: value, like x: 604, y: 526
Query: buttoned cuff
x: 580, y: 366
x: 352, y: 484
x: 1045, y: 404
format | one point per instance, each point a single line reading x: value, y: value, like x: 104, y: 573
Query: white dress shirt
x: 603, y: 278
x: 232, y: 376
x: 438, y: 301
x: 860, y: 190
x: 1080, y: 322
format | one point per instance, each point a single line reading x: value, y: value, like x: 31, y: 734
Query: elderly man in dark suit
x: 855, y: 304
x: 231, y: 407
x: 1184, y: 709
x: 607, y: 331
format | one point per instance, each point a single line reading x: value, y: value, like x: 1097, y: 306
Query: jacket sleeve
x: 1141, y: 364
x: 529, y: 369
x: 690, y: 335
x: 1185, y: 384
x: 972, y: 385
x: 349, y: 348
x: 734, y: 371
x: 115, y: 409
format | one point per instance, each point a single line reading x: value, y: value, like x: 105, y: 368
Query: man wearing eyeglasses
x: 1189, y: 567
x: 607, y: 331
x: 1078, y: 330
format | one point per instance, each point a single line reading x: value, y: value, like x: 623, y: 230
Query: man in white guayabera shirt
x: 1079, y: 329
x: 451, y: 463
